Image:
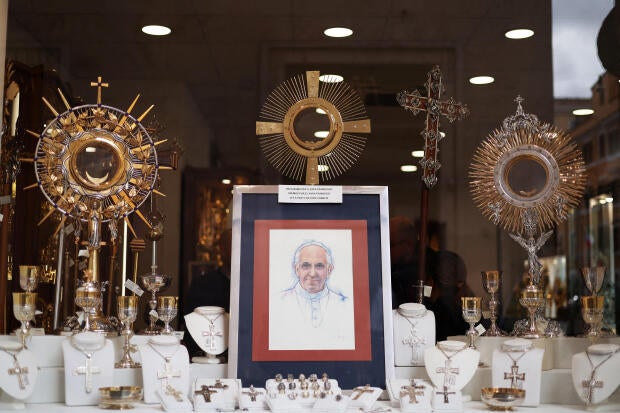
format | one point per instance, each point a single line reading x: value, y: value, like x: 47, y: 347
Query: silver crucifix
x: 415, y: 342
x: 167, y: 373
x: 20, y: 372
x: 589, y: 386
x: 449, y: 373
x: 211, y: 334
x: 87, y: 370
x: 515, y: 377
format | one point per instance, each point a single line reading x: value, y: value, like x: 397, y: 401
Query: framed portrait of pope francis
x: 310, y: 287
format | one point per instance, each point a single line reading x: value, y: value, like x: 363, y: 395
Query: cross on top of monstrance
x: 434, y: 108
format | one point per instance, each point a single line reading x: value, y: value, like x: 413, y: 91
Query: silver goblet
x: 532, y: 298
x: 492, y: 281
x: 167, y: 311
x: 592, y: 312
x: 153, y: 283
x: 127, y: 313
x: 88, y: 297
x: 472, y: 312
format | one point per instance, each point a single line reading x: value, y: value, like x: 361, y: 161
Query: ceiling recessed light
x: 226, y: 181
x: 323, y: 168
x: 331, y: 78
x: 408, y: 168
x: 321, y: 134
x: 320, y: 111
x: 582, y: 112
x: 519, y: 33
x: 156, y: 30
x: 417, y: 154
x: 481, y: 80
x: 338, y: 32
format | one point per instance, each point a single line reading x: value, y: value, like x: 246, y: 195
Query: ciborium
x: 593, y: 278
x: 592, y: 313
x: 167, y: 311
x: 24, y: 307
x: 127, y: 312
x: 88, y: 297
x: 472, y: 312
x: 153, y: 283
x: 492, y: 281
x: 532, y: 298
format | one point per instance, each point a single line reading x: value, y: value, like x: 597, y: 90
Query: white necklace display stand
x: 216, y: 394
x: 450, y: 366
x: 89, y: 364
x: 414, y: 332
x: 596, y: 378
x: 253, y: 399
x: 519, y: 364
x: 165, y: 362
x: 208, y: 326
x: 18, y: 376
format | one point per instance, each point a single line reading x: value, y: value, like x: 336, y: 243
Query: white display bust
x: 164, y: 362
x: 450, y: 366
x: 414, y: 332
x: 208, y: 326
x: 19, y: 374
x: 595, y: 388
x: 89, y: 364
x: 519, y: 364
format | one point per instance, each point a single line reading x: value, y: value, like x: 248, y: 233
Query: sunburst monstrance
x: 312, y: 128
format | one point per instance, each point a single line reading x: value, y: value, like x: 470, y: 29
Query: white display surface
x: 528, y: 373
x: 88, y: 365
x: 414, y: 332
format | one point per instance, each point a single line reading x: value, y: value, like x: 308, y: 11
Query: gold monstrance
x: 311, y: 127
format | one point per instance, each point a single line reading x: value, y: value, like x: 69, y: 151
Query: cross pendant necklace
x: 591, y: 383
x: 167, y: 373
x: 17, y: 369
x: 87, y: 370
x: 449, y: 372
x: 211, y: 334
x: 515, y: 377
x: 414, y: 340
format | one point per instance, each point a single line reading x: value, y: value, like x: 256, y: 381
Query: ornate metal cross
x: 167, y: 373
x: 211, y: 334
x: 445, y: 393
x: 359, y: 391
x: 20, y: 372
x: 88, y: 370
x: 514, y: 377
x: 412, y: 392
x: 589, y: 386
x: 206, y: 392
x: 434, y: 108
x: 415, y: 342
x: 99, y: 85
x: 449, y: 373
x: 252, y: 392
x: 171, y: 391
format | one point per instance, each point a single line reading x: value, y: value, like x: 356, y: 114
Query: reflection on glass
x: 526, y: 177
x: 97, y: 164
x: 307, y: 122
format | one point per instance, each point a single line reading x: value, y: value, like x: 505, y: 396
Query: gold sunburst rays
x: 66, y: 164
x: 547, y: 149
x: 301, y: 106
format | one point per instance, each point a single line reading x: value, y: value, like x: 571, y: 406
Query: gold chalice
x: 472, y: 312
x: 592, y: 313
x: 492, y: 281
x: 167, y: 310
x: 87, y: 297
x: 532, y: 298
x: 28, y: 277
x: 127, y: 313
x: 24, y: 307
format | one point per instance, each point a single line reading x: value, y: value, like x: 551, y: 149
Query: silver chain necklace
x: 591, y: 383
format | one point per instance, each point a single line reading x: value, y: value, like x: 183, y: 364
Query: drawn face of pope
x: 313, y: 268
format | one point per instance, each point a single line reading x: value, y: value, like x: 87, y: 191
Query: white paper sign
x: 427, y: 290
x: 133, y: 287
x: 309, y: 194
x: 480, y: 329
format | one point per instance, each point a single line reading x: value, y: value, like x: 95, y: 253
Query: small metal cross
x: 514, y: 377
x: 20, y: 372
x: 167, y: 373
x: 87, y: 370
x: 445, y: 393
x: 412, y: 392
x: 589, y: 386
x: 219, y: 385
x: 361, y: 390
x: 171, y: 391
x: 99, y: 85
x: 449, y: 372
x: 434, y: 107
x: 252, y: 392
x: 211, y: 334
x: 206, y: 392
